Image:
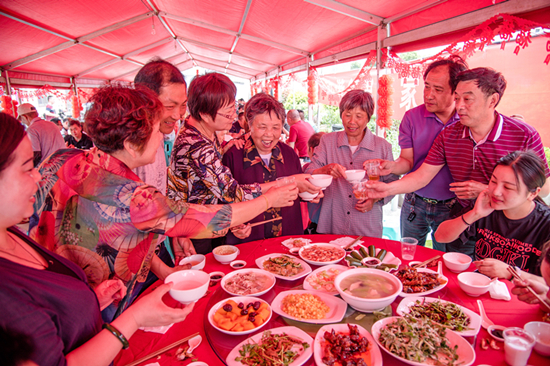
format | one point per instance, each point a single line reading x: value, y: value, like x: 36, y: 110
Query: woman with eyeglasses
x: 196, y: 173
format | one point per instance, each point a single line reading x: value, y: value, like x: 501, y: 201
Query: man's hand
x: 467, y: 190
x: 377, y: 189
x: 386, y: 166
x: 365, y: 206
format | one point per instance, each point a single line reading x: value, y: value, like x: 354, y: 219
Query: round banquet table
x: 216, y: 345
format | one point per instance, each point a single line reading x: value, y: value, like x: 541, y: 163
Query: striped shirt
x: 338, y: 213
x: 468, y: 160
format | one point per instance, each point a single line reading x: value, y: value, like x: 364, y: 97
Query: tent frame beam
x: 348, y: 11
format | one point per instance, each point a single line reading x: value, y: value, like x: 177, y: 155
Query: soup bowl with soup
x: 367, y: 289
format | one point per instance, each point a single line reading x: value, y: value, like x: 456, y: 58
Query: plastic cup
x: 360, y: 190
x: 518, y: 344
x: 408, y: 248
x: 373, y: 171
x: 284, y: 181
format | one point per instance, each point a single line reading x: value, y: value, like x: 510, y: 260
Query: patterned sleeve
x: 210, y: 177
x: 436, y: 155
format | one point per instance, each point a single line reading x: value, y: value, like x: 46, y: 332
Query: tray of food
x: 420, y: 281
x: 284, y: 266
x: 248, y: 282
x: 309, y: 306
x: 321, y: 254
x: 458, y: 318
x: 421, y: 342
x: 296, y: 242
x: 382, y: 259
x: 322, y: 279
x: 289, y: 346
x: 239, y: 315
x: 335, y: 343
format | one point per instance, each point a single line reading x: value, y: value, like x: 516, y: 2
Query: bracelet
x: 266, y: 202
x: 464, y: 221
x: 117, y: 334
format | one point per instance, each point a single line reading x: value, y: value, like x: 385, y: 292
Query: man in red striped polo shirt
x: 472, y: 147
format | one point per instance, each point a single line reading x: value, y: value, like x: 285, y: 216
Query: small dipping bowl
x: 457, y: 262
x: 495, y: 331
x: 474, y: 284
x: 197, y: 261
x: 306, y: 196
x: 541, y: 331
x: 216, y: 277
x: 371, y: 262
x: 189, y: 285
x: 354, y: 176
x: 225, y: 254
x: 237, y: 264
x: 321, y: 180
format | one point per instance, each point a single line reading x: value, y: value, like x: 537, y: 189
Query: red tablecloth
x: 507, y: 313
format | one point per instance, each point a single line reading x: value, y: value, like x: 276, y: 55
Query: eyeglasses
x: 228, y: 116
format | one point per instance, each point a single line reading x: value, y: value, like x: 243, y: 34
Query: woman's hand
x: 365, y: 206
x: 336, y: 170
x: 151, y: 311
x: 304, y: 185
x: 282, y: 196
x: 523, y: 294
x: 386, y: 166
x: 242, y: 231
x: 493, y: 268
x: 109, y: 291
x: 319, y: 197
x: 483, y: 207
x: 183, y: 247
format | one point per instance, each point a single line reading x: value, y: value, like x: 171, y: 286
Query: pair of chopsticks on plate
x: 162, y: 350
x: 517, y: 276
x: 421, y: 264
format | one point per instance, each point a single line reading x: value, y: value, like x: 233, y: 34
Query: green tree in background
x: 296, y: 100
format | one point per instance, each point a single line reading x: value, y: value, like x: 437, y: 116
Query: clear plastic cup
x: 360, y: 190
x: 373, y: 171
x: 284, y: 181
x: 518, y: 344
x: 408, y: 248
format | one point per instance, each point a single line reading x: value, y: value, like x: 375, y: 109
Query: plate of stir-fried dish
x: 284, y: 346
x: 284, y: 266
x: 455, y: 317
x: 420, y: 281
x: 420, y: 342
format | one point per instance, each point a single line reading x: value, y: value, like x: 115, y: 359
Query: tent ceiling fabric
x: 107, y: 40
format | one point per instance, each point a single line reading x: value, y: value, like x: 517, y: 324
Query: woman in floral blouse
x: 97, y: 213
x: 196, y: 173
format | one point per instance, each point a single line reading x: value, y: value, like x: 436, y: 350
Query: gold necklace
x: 36, y: 262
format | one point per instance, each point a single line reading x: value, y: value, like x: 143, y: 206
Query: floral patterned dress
x: 96, y: 212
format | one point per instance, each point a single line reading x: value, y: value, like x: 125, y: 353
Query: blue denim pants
x: 427, y: 218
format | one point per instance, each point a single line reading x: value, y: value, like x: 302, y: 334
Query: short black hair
x: 158, y: 73
x: 487, y: 79
x: 208, y: 93
x: 455, y: 64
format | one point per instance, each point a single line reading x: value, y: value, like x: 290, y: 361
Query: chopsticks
x: 517, y: 276
x: 162, y: 350
x: 426, y: 261
x: 353, y: 242
x: 266, y: 221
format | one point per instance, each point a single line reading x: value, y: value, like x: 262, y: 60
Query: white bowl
x: 306, y: 196
x: 457, y: 262
x: 368, y: 305
x: 321, y: 180
x: 541, y: 331
x: 226, y: 253
x: 245, y: 300
x: 189, y: 285
x: 474, y: 284
x: 197, y: 261
x: 354, y: 176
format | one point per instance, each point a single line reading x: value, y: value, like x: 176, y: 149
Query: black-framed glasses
x: 228, y: 116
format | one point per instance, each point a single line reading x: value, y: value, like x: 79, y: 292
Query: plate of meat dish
x: 320, y: 254
x: 332, y: 339
x: 309, y: 306
x: 420, y: 342
x: 322, y: 279
x: 248, y: 282
x: 420, y: 281
x: 284, y: 266
x: 458, y: 318
x: 296, y: 242
x: 274, y: 347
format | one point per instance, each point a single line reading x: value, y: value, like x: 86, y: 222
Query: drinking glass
x: 283, y: 181
x: 360, y: 190
x: 373, y: 171
x: 408, y: 248
x: 518, y: 344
